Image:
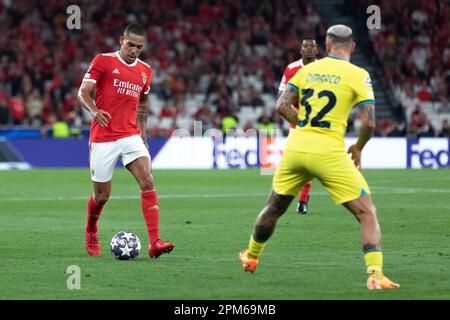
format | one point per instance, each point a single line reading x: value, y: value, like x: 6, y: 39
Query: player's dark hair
x: 135, y: 28
x: 308, y: 39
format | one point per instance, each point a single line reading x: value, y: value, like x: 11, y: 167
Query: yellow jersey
x: 327, y: 91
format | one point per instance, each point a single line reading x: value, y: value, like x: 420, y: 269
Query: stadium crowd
x: 218, y: 62
x: 413, y: 50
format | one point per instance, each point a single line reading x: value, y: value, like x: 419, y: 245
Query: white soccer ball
x: 125, y: 245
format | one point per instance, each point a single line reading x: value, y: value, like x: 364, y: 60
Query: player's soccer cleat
x: 247, y: 263
x: 158, y: 247
x: 92, y: 245
x: 302, y: 207
x: 378, y: 281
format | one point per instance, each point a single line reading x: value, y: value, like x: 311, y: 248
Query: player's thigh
x: 340, y: 177
x: 292, y: 173
x: 132, y: 149
x: 102, y: 160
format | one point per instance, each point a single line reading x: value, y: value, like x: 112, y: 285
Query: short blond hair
x: 340, y: 34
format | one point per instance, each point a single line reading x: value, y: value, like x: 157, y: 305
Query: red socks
x: 150, y: 210
x: 93, y: 214
x: 304, y: 193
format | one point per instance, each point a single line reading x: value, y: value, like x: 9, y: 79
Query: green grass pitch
x: 209, y: 215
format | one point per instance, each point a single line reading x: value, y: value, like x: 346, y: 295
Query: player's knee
x: 278, y: 204
x: 101, y: 198
x: 146, y: 183
x: 366, y: 212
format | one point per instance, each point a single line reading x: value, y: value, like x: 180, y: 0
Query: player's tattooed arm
x: 367, y: 130
x: 367, y: 116
x: 284, y: 105
x: 142, y: 115
x: 280, y: 92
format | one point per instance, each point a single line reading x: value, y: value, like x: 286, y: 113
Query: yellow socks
x: 255, y: 248
x: 374, y: 261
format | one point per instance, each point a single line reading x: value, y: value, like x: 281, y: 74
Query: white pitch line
x: 134, y: 197
x: 384, y: 190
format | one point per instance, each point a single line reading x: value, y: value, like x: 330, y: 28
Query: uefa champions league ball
x: 125, y: 245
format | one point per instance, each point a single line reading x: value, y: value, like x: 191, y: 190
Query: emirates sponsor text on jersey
x: 128, y: 88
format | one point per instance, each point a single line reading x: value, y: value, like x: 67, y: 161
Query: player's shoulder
x: 295, y: 65
x: 106, y: 55
x: 101, y: 57
x: 144, y: 65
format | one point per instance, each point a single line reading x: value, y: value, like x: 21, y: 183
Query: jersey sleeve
x: 95, y: 70
x: 146, y: 89
x: 363, y: 89
x: 283, y: 82
x: 294, y: 83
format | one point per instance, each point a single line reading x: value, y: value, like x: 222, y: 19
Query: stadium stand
x: 219, y: 59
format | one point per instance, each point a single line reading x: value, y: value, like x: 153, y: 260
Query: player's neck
x: 341, y: 54
x: 124, y: 58
x: 307, y: 61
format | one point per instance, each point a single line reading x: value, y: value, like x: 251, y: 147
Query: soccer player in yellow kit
x: 327, y: 90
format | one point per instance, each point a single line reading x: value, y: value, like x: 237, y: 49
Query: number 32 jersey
x: 327, y: 89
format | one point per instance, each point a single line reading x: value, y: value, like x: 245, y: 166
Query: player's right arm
x: 283, y: 83
x: 284, y: 105
x: 85, y: 94
x: 87, y: 88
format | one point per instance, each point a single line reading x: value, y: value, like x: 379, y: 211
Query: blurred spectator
x: 229, y: 123
x: 424, y: 92
x: 428, y: 130
x: 5, y: 112
x: 206, y: 116
x: 265, y: 123
x: 17, y: 107
x: 34, y: 108
x: 60, y: 129
x: 399, y: 130
x: 184, y: 120
x: 445, y: 130
x: 418, y: 122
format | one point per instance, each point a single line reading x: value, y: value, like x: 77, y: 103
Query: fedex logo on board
x: 428, y: 153
x: 264, y: 153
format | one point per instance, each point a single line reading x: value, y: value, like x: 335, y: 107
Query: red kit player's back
x: 118, y: 88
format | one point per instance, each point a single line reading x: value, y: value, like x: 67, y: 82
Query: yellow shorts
x: 336, y: 172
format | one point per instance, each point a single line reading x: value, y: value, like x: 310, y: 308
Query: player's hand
x: 356, y: 155
x: 101, y: 116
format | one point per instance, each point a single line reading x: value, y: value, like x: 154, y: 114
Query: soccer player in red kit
x: 309, y: 51
x: 121, y: 82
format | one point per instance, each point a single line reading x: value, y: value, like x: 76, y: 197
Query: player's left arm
x: 366, y: 131
x: 142, y: 115
x: 284, y: 105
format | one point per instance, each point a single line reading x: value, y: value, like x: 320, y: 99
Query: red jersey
x: 289, y: 72
x: 118, y: 86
